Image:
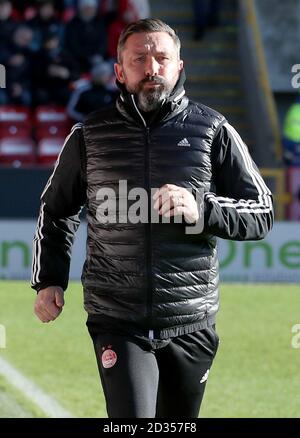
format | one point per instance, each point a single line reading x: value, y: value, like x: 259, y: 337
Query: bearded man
x: 150, y: 286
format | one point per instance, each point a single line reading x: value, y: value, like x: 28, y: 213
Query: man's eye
x: 140, y: 59
x: 163, y: 58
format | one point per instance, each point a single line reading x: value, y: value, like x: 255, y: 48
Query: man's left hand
x: 171, y: 200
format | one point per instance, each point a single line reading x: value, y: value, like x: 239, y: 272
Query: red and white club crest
x: 109, y: 358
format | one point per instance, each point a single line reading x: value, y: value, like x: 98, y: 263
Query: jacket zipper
x: 149, y: 225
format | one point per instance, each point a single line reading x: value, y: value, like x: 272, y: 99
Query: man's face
x: 149, y: 68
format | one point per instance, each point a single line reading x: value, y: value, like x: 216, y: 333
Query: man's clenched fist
x: 49, y: 303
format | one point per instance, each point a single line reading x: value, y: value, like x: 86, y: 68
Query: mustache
x: 155, y: 79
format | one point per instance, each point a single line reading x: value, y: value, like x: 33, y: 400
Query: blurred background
x: 242, y: 59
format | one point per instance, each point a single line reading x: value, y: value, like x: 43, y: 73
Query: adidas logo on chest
x: 184, y: 143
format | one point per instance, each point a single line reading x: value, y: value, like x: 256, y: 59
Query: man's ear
x: 180, y: 64
x: 119, y: 72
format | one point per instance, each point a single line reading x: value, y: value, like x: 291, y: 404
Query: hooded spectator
x: 85, y: 35
x: 7, y: 24
x: 44, y: 22
x: 17, y: 57
x: 94, y: 95
x: 52, y: 83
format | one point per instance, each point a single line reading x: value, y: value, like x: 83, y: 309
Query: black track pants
x: 144, y: 378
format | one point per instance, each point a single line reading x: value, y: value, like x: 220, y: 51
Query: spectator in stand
x: 85, y: 35
x: 61, y: 5
x: 21, y: 6
x: 96, y: 94
x: 140, y: 8
x: 206, y: 13
x: 7, y: 24
x: 52, y: 82
x: 45, y: 21
x: 128, y: 11
x: 17, y: 57
x: 108, y: 10
x: 114, y: 31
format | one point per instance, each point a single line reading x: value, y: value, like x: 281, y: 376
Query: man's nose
x: 151, y: 67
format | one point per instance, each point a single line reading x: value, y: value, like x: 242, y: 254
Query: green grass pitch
x: 255, y: 373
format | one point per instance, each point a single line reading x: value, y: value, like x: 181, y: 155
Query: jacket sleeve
x: 241, y: 208
x: 61, y: 202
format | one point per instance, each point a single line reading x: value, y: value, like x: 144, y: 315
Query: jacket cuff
x: 41, y: 286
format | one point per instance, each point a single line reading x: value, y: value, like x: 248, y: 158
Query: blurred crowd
x: 62, y: 51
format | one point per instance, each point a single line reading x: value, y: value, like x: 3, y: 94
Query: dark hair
x: 146, y: 25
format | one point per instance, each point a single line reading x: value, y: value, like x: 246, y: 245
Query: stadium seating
x: 49, y: 126
x: 15, y: 121
x: 51, y: 114
x: 51, y: 121
x: 48, y: 150
x: 17, y: 151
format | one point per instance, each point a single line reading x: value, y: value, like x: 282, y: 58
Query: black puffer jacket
x: 152, y: 274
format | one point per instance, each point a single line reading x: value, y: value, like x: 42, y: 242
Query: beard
x: 150, y: 99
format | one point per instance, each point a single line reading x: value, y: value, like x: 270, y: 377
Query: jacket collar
x: 174, y: 104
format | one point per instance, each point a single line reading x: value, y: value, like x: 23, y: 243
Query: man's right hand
x: 49, y: 303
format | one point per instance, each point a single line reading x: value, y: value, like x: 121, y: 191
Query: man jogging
x: 150, y: 286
